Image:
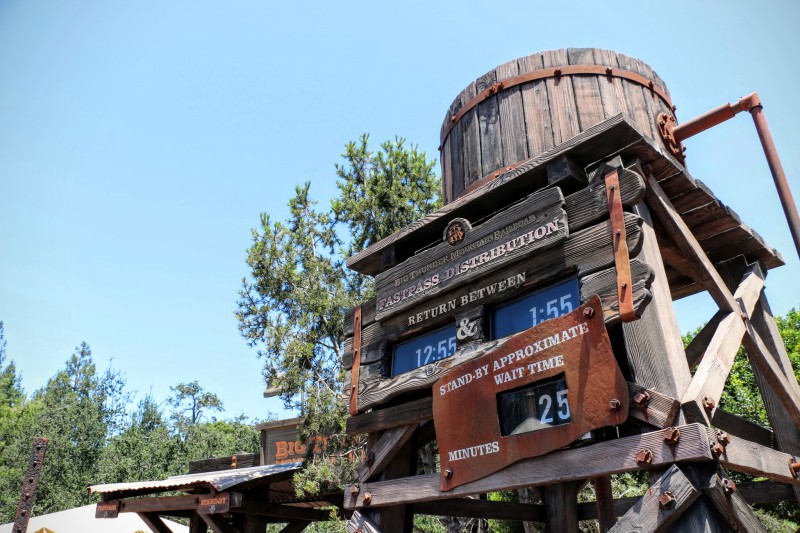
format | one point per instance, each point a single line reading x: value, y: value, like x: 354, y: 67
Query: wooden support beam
x: 603, y: 458
x: 197, y: 524
x: 712, y: 372
x: 773, y: 374
x: 476, y: 508
x: 649, y: 515
x: 756, y: 492
x: 361, y: 522
x: 730, y: 505
x: 588, y: 510
x: 700, y: 342
x: 218, y: 524
x: 748, y: 457
x: 399, y: 415
x: 158, y: 504
x: 605, y: 503
x: 155, y: 523
x: 288, y: 512
x: 295, y: 526
x: 383, y: 451
x: 396, y: 518
x: 742, y: 428
x: 561, y: 506
x: 682, y: 236
x: 659, y: 410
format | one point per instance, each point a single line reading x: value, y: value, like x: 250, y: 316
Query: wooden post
x: 561, y: 507
x: 395, y: 519
x: 605, y: 502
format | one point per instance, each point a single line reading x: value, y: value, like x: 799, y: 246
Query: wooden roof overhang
x: 263, y: 491
x: 718, y: 229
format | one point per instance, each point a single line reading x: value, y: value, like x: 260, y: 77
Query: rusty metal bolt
x: 672, y: 435
x: 359, y: 530
x: 370, y: 458
x: 354, y: 489
x: 367, y: 498
x: 557, y: 72
x: 794, y: 467
x: 716, y: 448
x: 448, y: 473
x: 666, y: 500
x: 644, y: 457
x: 615, y: 405
x: 23, y: 512
x: 708, y: 403
x: 641, y: 399
x: 588, y: 312
x: 723, y: 437
x: 728, y: 486
x: 609, y: 71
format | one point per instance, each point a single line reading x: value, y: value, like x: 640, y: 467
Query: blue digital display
x: 535, y: 308
x: 420, y: 351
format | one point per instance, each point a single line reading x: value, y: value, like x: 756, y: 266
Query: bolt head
x: 641, y: 399
x: 367, y: 498
x: 728, y: 486
x: 708, y: 403
x: 354, y: 489
x: 588, y: 312
x: 723, y: 438
x: 615, y: 405
x: 666, y: 500
x: 448, y: 473
x: 672, y: 435
x: 716, y: 449
x: 644, y: 457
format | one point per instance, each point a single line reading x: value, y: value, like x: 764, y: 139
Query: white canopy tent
x: 82, y: 520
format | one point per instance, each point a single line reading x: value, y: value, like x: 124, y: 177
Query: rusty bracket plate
x: 356, y: 361
x: 25, y: 507
x: 621, y: 255
x: 501, y: 407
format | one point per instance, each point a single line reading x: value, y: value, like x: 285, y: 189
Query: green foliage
x: 291, y: 307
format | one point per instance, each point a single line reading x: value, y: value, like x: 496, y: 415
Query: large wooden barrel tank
x: 529, y: 105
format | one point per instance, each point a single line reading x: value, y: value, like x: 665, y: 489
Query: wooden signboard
x: 107, y: 509
x: 218, y: 503
x: 538, y: 391
x: 536, y: 223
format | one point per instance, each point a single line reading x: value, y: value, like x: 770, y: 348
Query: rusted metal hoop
x: 555, y: 72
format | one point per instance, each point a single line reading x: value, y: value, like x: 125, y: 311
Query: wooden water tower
x: 527, y: 326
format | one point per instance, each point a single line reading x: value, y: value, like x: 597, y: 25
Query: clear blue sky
x: 139, y: 141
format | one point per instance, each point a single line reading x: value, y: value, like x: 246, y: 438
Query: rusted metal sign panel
x: 537, y: 222
x: 26, y: 501
x: 540, y: 390
x: 107, y: 509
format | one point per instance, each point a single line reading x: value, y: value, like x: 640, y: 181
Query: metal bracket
x: 25, y: 507
x: 666, y: 127
x: 356, y: 361
x: 621, y: 254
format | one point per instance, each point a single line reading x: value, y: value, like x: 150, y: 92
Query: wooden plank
x: 561, y: 96
x: 656, y: 332
x: 238, y: 460
x: 574, y: 464
x: 567, y: 175
x: 712, y: 372
x: 295, y: 526
x: 536, y: 108
x: 360, y: 522
x: 731, y: 506
x: 750, y: 458
x: 661, y: 410
x: 760, y: 492
x: 455, y: 143
x: 606, y: 516
x: 155, y: 523
x: 700, y: 518
x: 197, y: 524
x: 634, y: 96
x: 477, y: 508
x: 683, y: 237
x: 489, y: 126
x: 588, y: 510
x: 589, y: 104
x: 742, y: 428
x: 512, y: 118
x: 384, y: 450
x: 396, y: 518
x: 158, y: 504
x: 471, y: 148
x: 648, y: 515
x: 283, y: 512
x: 611, y: 91
x: 407, y: 413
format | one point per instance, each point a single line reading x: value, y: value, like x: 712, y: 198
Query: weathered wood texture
x: 475, y: 508
x: 155, y: 523
x: 566, y: 465
x: 525, y: 120
x: 561, y: 506
x: 361, y: 522
x: 742, y: 428
x: 383, y: 451
x: 730, y: 505
x: 648, y: 515
x: 238, y: 460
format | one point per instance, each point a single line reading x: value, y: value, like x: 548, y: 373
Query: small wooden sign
x: 214, y: 503
x: 537, y: 222
x: 540, y: 390
x: 107, y: 509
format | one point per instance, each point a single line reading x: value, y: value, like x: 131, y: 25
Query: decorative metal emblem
x: 456, y: 231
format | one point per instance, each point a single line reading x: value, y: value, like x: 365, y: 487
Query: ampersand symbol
x: 466, y: 329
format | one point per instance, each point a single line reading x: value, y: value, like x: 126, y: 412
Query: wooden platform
x: 720, y: 231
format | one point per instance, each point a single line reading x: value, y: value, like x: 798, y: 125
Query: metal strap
x: 26, y: 501
x: 619, y: 239
x: 556, y: 72
x: 356, y: 362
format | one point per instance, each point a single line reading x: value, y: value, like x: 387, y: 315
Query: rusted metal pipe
x: 673, y: 135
